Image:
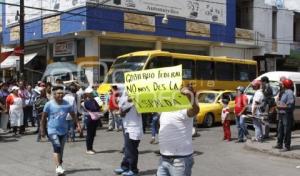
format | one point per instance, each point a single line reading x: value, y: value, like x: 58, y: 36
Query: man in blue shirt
x: 57, y: 110
x: 286, y: 106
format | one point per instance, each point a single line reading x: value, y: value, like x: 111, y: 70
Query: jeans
x: 91, y: 133
x: 131, y: 154
x: 154, y: 126
x: 175, y: 166
x: 58, y: 143
x: 242, y: 128
x: 257, y: 123
x: 28, y: 115
x: 285, y: 129
x: 71, y: 130
x: 114, y: 121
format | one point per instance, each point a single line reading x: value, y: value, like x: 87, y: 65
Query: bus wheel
x: 209, y: 120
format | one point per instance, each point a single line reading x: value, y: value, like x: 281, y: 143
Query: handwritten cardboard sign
x: 156, y: 90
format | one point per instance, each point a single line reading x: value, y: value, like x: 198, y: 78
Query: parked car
x: 274, y: 78
x: 211, y: 106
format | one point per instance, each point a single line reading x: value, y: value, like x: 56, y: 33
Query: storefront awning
x: 11, y: 61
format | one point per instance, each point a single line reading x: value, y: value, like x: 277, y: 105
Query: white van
x: 274, y: 78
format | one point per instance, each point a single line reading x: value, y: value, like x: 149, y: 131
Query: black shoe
x: 240, y: 141
x: 277, y: 147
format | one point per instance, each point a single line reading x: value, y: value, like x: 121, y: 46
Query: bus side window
x: 252, y: 72
x: 224, y: 71
x: 205, y: 70
x: 159, y: 62
x: 188, y: 68
x: 297, y: 90
x: 241, y: 72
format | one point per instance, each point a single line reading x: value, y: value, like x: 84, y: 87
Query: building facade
x: 92, y: 33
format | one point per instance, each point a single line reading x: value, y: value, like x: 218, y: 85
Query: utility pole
x: 22, y: 38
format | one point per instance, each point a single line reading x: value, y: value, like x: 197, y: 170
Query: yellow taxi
x: 211, y: 106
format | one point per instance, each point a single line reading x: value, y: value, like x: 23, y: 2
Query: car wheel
x: 209, y: 120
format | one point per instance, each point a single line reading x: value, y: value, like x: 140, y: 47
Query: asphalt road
x: 213, y: 157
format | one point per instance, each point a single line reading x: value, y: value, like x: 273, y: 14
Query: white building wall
x: 262, y: 23
x: 240, y: 53
x: 285, y: 23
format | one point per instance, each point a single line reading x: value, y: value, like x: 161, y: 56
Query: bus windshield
x: 122, y: 65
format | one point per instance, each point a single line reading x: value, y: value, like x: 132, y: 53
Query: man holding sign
x: 159, y: 90
x: 175, y: 139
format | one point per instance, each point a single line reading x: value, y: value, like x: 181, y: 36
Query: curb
x: 271, y: 151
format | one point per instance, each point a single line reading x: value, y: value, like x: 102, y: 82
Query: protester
x: 57, y: 111
x: 226, y: 120
x: 28, y: 106
x: 23, y: 95
x: 114, y: 119
x: 92, y: 119
x: 241, y: 103
x: 3, y: 110
x: 70, y: 97
x: 175, y: 139
x: 286, y: 108
x: 256, y: 110
x: 39, y: 106
x: 154, y: 127
x: 133, y: 132
x: 14, y: 104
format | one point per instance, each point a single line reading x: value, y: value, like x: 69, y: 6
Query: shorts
x: 58, y: 142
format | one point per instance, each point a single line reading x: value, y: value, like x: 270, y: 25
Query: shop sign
x: 53, y: 5
x: 197, y: 29
x: 213, y: 11
x: 64, y: 48
x: 139, y: 22
x: 51, y: 25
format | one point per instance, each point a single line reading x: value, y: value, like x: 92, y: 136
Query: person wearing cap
x: 241, y: 103
x: 92, y: 115
x: 256, y: 112
x: 285, y: 107
x: 55, y: 115
x: 4, y: 113
x: 14, y: 104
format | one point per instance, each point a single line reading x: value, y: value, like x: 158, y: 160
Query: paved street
x: 25, y: 157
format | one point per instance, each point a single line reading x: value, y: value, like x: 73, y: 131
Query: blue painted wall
x: 100, y: 19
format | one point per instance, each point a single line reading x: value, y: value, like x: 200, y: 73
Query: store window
x: 224, y: 71
x: 205, y: 70
x: 188, y: 68
x: 80, y: 48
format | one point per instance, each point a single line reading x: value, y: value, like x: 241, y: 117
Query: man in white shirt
x: 175, y: 139
x: 133, y: 132
x: 256, y: 112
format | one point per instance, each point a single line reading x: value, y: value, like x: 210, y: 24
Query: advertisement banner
x: 30, y: 13
x: 212, y: 11
x: 156, y: 90
x: 64, y: 48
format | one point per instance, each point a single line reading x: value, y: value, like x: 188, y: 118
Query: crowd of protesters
x: 55, y: 110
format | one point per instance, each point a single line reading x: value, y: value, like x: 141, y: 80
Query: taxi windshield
x: 207, y: 97
x: 122, y: 65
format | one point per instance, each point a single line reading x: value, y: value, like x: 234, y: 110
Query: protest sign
x: 156, y: 90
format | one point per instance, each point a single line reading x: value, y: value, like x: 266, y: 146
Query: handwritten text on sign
x: 156, y: 90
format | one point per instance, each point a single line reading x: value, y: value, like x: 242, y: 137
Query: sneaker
x: 119, y: 171
x: 152, y: 140
x: 285, y: 149
x: 129, y: 173
x: 90, y: 152
x: 60, y: 170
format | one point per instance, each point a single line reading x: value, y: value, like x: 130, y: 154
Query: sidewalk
x: 266, y: 147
